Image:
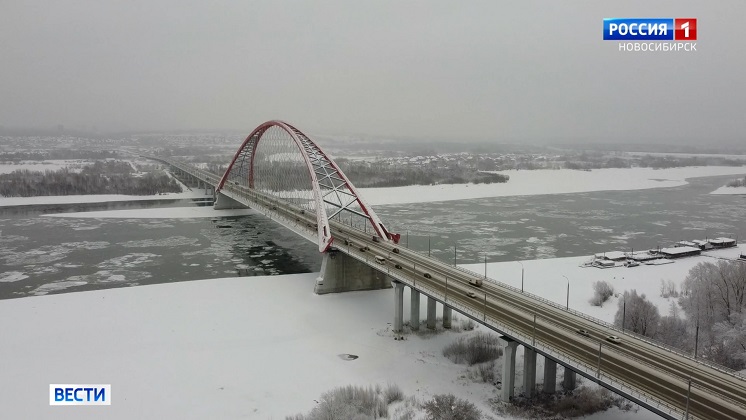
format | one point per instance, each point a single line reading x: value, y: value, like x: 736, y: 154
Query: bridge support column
x: 340, y: 273
x: 414, y: 304
x: 447, y: 315
x: 550, y: 376
x: 508, y: 369
x: 529, y: 371
x: 223, y: 202
x: 430, y: 313
x: 398, y: 306
x: 569, y: 379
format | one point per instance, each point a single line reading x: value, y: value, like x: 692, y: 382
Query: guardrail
x: 592, y: 319
x: 501, y: 327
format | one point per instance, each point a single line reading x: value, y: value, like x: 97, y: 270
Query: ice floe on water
x: 130, y: 260
x: 170, y: 241
x: 109, y: 276
x: 56, y: 287
x: 90, y: 245
x: 43, y: 255
x: 9, y: 239
x: 12, y: 276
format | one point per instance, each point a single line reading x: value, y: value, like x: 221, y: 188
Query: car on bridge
x: 583, y: 332
x: 398, y: 266
x: 380, y: 260
x: 395, y: 250
x: 427, y: 276
x: 471, y: 294
x: 614, y: 339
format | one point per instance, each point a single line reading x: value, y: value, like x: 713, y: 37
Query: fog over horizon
x: 482, y: 71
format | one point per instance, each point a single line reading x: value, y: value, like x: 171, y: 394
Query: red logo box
x: 685, y: 29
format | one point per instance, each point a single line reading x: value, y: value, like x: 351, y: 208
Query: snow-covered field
x: 258, y: 347
x: 729, y: 190
x: 559, y: 181
x: 544, y: 277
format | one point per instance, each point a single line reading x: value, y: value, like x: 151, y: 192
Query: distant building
x: 703, y: 244
x: 722, y: 242
x: 644, y: 256
x: 603, y: 263
x: 679, y: 252
x: 612, y: 255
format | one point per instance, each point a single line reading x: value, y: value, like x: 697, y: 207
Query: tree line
x: 57, y: 154
x: 109, y: 177
x: 713, y: 299
x: 371, y: 174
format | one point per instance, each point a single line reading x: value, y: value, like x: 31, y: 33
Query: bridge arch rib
x: 279, y: 159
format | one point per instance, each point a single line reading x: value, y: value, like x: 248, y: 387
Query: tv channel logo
x: 650, y: 29
x: 78, y: 394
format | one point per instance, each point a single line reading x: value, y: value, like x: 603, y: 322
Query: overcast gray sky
x: 449, y: 69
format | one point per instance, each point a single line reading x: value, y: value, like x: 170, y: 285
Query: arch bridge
x: 284, y: 174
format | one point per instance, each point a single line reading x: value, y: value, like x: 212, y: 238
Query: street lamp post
x: 428, y: 246
x: 521, y: 275
x: 568, y: 292
x: 454, y: 254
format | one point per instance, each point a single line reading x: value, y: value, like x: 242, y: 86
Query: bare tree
x: 714, y: 300
x: 638, y: 314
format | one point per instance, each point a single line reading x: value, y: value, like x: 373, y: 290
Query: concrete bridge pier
x: 569, y: 379
x: 447, y: 316
x: 398, y: 306
x: 508, y: 369
x: 414, y: 304
x: 223, y: 202
x: 550, y: 376
x: 341, y: 273
x: 431, y: 313
x: 529, y: 371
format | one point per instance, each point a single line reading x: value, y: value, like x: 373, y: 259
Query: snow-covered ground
x: 545, y: 278
x: 258, y: 347
x: 547, y: 181
x: 724, y: 190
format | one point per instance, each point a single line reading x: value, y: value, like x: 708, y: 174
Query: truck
x: 476, y: 282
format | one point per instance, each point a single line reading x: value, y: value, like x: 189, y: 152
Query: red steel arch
x: 330, y: 186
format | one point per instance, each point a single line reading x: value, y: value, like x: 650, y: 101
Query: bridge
x: 282, y: 173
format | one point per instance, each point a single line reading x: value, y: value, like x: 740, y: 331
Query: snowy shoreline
x: 537, y: 182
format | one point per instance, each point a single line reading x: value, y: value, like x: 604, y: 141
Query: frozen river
x: 41, y: 255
